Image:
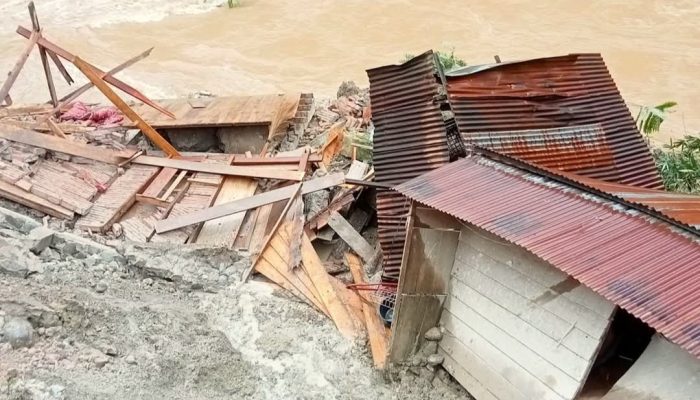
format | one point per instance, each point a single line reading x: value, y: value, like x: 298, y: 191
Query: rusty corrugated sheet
x: 642, y: 264
x: 549, y: 93
x: 681, y: 207
x: 409, y: 140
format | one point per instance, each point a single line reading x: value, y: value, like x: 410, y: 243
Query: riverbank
x: 268, y: 46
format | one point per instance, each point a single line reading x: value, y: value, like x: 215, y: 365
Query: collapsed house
x: 545, y: 251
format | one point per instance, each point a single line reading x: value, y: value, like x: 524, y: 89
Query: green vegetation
x: 649, y: 119
x: 448, y: 60
x: 234, y: 3
x: 679, y: 164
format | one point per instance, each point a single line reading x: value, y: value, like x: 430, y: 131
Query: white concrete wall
x: 518, y: 328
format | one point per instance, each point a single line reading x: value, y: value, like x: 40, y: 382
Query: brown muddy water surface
x: 652, y: 47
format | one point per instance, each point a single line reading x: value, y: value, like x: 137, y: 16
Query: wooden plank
x: 498, y: 359
x: 548, y: 374
x: 251, y: 172
x: 174, y: 185
x: 430, y: 260
x: 479, y: 309
x: 224, y: 231
x: 573, y: 312
x: 353, y: 238
x: 159, y: 182
x: 260, y: 228
x: 77, y: 92
x: 224, y: 111
x: 147, y: 130
x: 414, y: 315
x: 292, y: 200
x: 375, y: 326
x: 14, y: 72
x: 70, y: 147
x: 112, y: 204
x: 474, y: 374
x: 107, y: 78
x: 152, y: 201
x: 550, y: 324
x: 33, y: 201
x: 61, y: 68
x: 55, y: 129
x: 321, y: 280
x: 249, y: 203
x: 528, y: 265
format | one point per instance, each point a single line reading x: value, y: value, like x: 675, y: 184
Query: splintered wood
x: 116, y: 201
x: 289, y: 259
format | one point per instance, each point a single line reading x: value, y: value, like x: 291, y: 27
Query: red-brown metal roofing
x: 409, y: 139
x: 557, y: 92
x: 640, y: 263
x: 681, y: 207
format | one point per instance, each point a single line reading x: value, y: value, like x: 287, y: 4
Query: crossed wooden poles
x: 97, y: 77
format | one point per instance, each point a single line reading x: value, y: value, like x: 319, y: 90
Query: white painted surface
x: 663, y: 372
x: 516, y: 328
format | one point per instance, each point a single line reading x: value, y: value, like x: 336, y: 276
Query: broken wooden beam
x: 55, y: 129
x: 250, y: 172
x: 19, y: 196
x: 65, y: 100
x: 111, y: 205
x: 248, y: 203
x: 107, y: 78
x: 378, y: 341
x: 266, y: 243
x: 147, y: 130
x: 352, y: 237
x: 336, y: 307
x: 14, y: 72
x: 70, y: 147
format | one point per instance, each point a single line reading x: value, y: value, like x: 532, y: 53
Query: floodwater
x: 652, y: 47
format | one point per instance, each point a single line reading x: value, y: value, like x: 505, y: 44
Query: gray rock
x: 130, y: 360
x: 49, y: 254
x: 435, y: 359
x: 18, y: 332
x: 148, y: 282
x: 433, y: 334
x: 16, y: 221
x: 100, y: 360
x: 56, y: 391
x: 101, y: 287
x: 40, y: 238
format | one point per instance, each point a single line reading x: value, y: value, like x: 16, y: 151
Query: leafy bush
x: 448, y: 61
x: 649, y: 119
x: 679, y: 165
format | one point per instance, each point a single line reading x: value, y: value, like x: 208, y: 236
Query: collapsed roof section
x: 567, y: 92
x: 409, y: 139
x: 643, y: 264
x: 564, y: 113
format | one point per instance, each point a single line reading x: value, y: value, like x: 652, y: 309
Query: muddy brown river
x: 652, y: 47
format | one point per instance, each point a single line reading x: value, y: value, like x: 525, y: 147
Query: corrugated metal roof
x: 642, y: 264
x: 575, y: 148
x: 409, y: 139
x: 682, y: 207
x: 557, y: 92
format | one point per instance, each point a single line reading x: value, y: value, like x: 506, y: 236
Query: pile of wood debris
x: 254, y: 201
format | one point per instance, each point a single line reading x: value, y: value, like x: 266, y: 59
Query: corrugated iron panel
x: 681, y: 207
x: 409, y: 139
x: 642, y: 264
x: 549, y: 93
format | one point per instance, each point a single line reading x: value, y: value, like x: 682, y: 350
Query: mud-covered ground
x: 84, y: 320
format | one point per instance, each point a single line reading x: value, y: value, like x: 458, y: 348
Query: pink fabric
x: 97, y: 116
